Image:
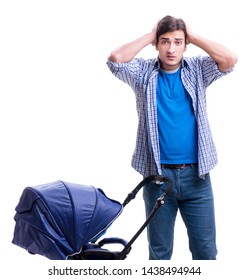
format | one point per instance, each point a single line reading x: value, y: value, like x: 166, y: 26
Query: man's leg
x: 160, y: 230
x: 196, y: 205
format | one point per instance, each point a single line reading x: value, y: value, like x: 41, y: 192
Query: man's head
x: 170, y: 24
x: 171, y: 41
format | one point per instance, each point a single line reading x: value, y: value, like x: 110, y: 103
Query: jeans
x: 194, y: 199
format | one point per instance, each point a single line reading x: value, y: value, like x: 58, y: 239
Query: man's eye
x: 178, y: 43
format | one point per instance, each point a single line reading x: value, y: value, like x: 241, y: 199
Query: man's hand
x: 189, y: 34
x: 154, y: 31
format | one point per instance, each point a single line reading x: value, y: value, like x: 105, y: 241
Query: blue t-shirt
x: 176, y: 121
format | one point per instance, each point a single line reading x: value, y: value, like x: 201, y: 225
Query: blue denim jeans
x: 194, y: 199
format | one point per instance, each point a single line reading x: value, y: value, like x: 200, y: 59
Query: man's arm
x: 128, y: 51
x: 225, y: 58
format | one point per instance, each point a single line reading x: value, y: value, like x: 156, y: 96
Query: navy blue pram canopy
x: 56, y: 219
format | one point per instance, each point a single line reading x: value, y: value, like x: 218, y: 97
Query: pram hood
x: 56, y: 219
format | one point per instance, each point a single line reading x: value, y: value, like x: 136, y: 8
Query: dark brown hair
x: 170, y: 24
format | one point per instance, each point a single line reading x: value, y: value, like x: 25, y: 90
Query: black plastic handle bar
x: 159, y: 179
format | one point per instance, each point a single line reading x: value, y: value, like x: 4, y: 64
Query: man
x: 174, y: 137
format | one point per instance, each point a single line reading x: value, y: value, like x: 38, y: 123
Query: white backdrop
x: 63, y: 115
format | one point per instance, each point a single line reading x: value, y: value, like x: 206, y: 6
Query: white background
x: 63, y: 115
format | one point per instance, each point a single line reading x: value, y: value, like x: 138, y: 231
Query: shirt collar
x: 184, y: 63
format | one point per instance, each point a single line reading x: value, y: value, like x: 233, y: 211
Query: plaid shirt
x: 197, y: 74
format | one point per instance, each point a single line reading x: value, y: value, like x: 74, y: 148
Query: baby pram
x: 61, y: 220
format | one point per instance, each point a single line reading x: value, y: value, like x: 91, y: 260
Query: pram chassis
x: 95, y: 251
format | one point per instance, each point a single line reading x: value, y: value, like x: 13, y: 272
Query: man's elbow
x: 229, y: 63
x: 115, y: 57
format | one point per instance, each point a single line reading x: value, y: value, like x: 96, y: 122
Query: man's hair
x: 170, y: 24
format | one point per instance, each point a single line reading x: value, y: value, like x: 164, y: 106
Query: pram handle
x: 94, y: 251
x: 160, y: 201
x: 112, y: 240
x: 159, y: 179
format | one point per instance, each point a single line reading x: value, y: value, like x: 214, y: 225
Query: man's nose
x: 171, y: 48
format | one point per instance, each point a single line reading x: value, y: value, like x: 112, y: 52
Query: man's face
x: 171, y: 46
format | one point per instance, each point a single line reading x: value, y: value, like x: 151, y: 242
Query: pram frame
x: 96, y: 252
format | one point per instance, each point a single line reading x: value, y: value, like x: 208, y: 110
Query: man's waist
x: 178, y: 166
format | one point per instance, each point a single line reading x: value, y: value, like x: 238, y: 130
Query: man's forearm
x: 220, y: 54
x: 128, y: 51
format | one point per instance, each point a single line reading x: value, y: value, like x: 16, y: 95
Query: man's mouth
x: 171, y: 57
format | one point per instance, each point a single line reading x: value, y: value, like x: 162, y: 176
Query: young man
x: 174, y: 137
